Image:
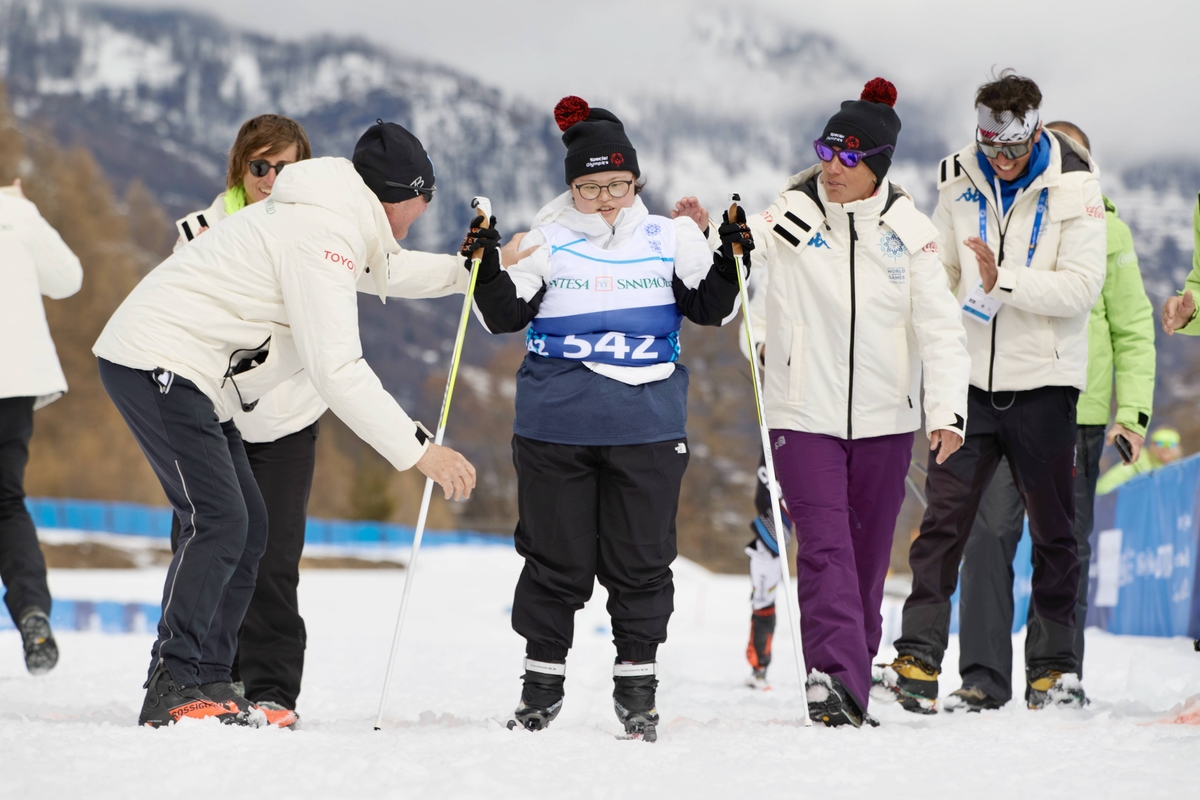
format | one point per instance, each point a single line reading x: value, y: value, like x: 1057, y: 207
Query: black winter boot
x: 166, y: 702
x: 41, y: 651
x: 633, y: 699
x: 542, y: 695
x: 830, y: 703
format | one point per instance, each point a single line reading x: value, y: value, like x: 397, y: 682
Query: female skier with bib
x: 599, y: 444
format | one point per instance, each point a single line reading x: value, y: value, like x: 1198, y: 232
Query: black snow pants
x: 1035, y: 431
x: 202, y: 466
x: 596, y: 512
x: 22, y: 567
x: 270, y: 656
x: 986, y: 613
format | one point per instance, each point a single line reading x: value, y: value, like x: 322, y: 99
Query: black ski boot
x: 542, y: 695
x: 633, y: 699
x: 758, y: 651
x: 830, y: 703
x: 166, y: 702
x: 41, y: 651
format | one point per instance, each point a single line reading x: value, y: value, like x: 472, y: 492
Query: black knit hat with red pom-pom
x: 867, y: 123
x: 595, y: 140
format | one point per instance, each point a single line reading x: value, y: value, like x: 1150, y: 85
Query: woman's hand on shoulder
x: 690, y: 207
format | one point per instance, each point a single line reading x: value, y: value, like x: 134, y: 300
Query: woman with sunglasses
x: 281, y: 444
x: 857, y: 309
x: 600, y: 447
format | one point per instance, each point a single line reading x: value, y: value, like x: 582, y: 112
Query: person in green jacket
x: 1179, y: 313
x: 1162, y: 448
x: 1120, y: 345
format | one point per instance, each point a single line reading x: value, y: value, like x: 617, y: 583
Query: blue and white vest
x: 609, y: 306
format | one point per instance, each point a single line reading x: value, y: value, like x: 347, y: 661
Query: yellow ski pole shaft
x: 790, y: 601
x: 483, y: 206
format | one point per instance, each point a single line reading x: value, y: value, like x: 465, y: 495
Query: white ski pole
x: 483, y: 206
x: 791, y: 602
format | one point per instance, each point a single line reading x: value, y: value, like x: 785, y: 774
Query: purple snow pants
x: 844, y: 497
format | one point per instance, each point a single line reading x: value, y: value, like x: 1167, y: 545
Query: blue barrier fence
x: 134, y: 519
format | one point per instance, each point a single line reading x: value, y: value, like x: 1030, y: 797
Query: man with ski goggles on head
x: 1023, y: 245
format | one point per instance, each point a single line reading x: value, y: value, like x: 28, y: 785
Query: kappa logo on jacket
x: 971, y: 195
x: 817, y: 241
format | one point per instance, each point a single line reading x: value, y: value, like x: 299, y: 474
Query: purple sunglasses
x: 849, y: 158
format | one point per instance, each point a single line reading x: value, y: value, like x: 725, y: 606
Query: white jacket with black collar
x: 856, y: 313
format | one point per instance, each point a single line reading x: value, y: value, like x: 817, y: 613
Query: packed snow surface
x: 72, y: 733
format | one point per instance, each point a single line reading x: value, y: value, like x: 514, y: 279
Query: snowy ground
x: 72, y: 733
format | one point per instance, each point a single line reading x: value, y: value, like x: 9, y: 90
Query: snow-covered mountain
x: 159, y: 95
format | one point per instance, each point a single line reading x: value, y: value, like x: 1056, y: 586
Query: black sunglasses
x: 423, y: 192
x: 260, y: 167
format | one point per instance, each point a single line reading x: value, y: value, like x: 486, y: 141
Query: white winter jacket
x: 282, y: 276
x: 851, y: 318
x: 288, y: 408
x: 1039, y: 337
x: 34, y: 261
x: 693, y: 260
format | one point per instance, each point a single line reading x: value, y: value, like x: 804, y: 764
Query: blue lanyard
x: 1037, y: 222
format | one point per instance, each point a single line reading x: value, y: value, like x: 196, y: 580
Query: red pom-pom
x: 879, y: 90
x: 570, y: 109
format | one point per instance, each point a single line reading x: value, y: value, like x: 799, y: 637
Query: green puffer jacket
x: 1193, y: 280
x: 1120, y: 335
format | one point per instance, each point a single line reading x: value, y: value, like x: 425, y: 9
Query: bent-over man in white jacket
x: 34, y: 262
x: 1023, y: 243
x: 269, y: 292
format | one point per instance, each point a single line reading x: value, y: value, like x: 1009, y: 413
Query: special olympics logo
x: 617, y: 159
x: 852, y: 142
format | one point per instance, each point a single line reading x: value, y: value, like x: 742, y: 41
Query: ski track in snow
x: 73, y: 734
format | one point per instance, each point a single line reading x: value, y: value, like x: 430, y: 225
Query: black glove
x: 732, y: 233
x: 487, y: 239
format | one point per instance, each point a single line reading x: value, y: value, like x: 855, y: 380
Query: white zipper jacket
x: 856, y: 310
x: 34, y: 262
x: 290, y: 407
x: 282, y: 276
x: 1039, y: 336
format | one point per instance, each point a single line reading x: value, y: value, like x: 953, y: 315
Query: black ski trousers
x: 202, y: 466
x: 596, y: 512
x: 986, y: 612
x: 22, y: 566
x: 270, y: 655
x: 1035, y: 431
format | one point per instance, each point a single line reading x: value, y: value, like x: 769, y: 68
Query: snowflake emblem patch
x: 652, y: 229
x: 890, y: 245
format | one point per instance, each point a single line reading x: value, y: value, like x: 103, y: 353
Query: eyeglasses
x: 590, y: 191
x: 1010, y: 150
x: 260, y: 167
x: 849, y: 158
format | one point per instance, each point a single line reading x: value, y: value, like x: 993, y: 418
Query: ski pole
x: 790, y: 601
x: 483, y: 206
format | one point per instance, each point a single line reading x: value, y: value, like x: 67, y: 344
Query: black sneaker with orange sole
x: 167, y: 702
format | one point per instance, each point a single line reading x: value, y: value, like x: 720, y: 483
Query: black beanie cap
x: 867, y: 123
x: 595, y: 140
x: 393, y: 163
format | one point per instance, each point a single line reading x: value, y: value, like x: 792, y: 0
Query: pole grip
x: 482, y: 207
x: 733, y: 207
